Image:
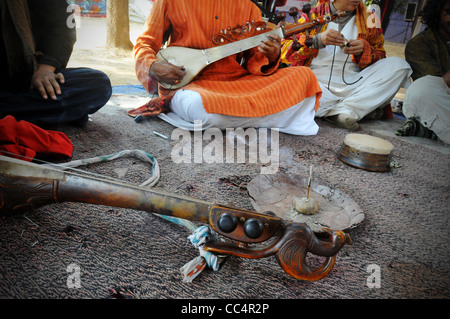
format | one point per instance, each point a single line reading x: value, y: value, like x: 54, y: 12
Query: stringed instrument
x: 25, y: 186
x: 230, y: 41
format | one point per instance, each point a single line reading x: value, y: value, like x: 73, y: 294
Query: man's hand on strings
x: 271, y: 48
x: 46, y: 81
x: 164, y: 72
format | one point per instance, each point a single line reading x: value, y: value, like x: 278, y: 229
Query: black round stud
x: 253, y: 228
x: 227, y: 223
x: 306, y: 8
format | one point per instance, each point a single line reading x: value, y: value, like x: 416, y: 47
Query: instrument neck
x: 25, y: 185
x: 77, y: 188
x: 298, y: 28
x: 217, y: 53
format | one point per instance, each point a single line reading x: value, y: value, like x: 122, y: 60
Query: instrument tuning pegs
x: 296, y: 45
x: 281, y: 16
x: 309, y: 42
x: 293, y: 12
x: 306, y: 8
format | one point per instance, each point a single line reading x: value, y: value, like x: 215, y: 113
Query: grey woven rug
x: 122, y: 253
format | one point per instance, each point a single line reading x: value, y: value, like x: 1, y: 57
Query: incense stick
x: 309, y: 181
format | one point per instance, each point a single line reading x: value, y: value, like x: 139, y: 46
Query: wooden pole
x: 118, y: 25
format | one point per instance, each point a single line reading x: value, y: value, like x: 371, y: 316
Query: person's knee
x: 103, y: 81
x: 103, y: 86
x: 189, y: 106
x: 420, y: 89
x: 394, y: 65
x: 395, y: 60
x: 101, y: 77
x: 86, y: 88
x: 88, y: 77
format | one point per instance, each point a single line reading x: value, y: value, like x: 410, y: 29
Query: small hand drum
x: 366, y: 152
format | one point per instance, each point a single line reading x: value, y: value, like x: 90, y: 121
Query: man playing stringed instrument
x: 245, y: 89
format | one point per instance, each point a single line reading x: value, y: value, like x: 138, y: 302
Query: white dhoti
x: 187, y: 107
x: 365, y: 90
x: 428, y: 101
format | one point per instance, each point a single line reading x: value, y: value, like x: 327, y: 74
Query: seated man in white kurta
x: 349, y: 61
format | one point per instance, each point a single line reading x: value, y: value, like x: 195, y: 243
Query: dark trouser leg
x: 84, y: 92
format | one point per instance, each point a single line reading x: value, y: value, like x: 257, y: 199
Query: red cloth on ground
x: 26, y: 139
